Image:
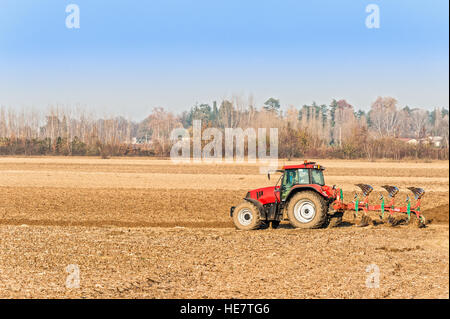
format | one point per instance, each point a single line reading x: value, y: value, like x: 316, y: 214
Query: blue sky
x: 130, y: 56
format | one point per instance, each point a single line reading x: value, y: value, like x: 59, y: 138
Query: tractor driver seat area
x: 294, y: 177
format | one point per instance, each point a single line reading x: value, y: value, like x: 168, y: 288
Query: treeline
x: 336, y: 130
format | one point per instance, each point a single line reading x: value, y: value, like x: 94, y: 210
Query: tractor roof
x: 306, y: 164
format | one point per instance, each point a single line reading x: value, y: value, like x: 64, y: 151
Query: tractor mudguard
x: 256, y: 203
x: 298, y: 188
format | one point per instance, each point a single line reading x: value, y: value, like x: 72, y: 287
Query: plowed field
x: 145, y: 228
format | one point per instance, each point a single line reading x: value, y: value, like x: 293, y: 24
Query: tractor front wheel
x: 246, y: 216
x: 307, y: 209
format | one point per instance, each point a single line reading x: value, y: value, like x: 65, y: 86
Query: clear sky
x: 130, y: 56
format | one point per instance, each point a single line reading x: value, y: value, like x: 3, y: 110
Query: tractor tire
x: 307, y: 209
x: 246, y: 216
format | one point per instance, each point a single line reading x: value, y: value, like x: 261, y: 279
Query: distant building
x: 435, y: 141
x: 407, y: 140
x: 141, y: 141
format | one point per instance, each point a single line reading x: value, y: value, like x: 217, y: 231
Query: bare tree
x: 385, y: 117
x: 419, y: 121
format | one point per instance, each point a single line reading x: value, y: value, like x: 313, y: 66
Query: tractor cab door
x: 293, y: 177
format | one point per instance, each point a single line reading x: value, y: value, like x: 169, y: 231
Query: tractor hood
x: 265, y: 195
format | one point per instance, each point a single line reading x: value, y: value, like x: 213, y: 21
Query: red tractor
x: 301, y: 196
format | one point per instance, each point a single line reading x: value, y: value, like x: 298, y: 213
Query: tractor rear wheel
x: 307, y: 209
x: 246, y: 216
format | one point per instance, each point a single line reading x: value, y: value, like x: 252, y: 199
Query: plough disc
x: 392, y: 190
x: 418, y: 192
x: 365, y: 220
x: 366, y: 189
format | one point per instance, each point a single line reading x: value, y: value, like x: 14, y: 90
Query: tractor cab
x: 300, y: 176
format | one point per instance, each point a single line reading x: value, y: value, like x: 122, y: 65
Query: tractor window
x: 290, y: 178
x: 296, y: 177
x: 317, y: 177
x: 303, y: 176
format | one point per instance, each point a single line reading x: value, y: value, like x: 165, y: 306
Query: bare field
x: 146, y: 228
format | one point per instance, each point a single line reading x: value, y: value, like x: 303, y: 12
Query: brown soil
x: 144, y: 228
